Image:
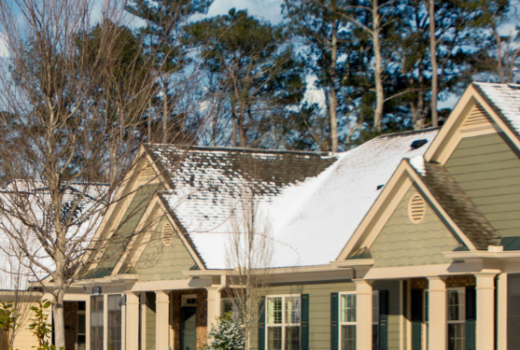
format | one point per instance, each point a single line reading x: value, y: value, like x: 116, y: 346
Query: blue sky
x: 267, y: 9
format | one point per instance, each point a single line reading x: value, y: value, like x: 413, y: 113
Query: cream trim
x: 416, y: 208
x: 452, y: 131
x: 172, y: 284
x: 392, y: 191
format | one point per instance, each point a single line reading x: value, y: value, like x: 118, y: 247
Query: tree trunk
x: 58, y: 313
x: 433, y: 54
x: 333, y: 99
x: 165, y: 110
x: 500, y: 67
x: 380, y: 98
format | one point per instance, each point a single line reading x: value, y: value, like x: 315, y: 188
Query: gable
x: 164, y: 258
x: 126, y: 228
x: 404, y: 243
x: 488, y: 170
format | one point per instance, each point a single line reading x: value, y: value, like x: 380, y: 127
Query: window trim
x: 462, y: 311
x: 346, y: 323
x: 283, y: 325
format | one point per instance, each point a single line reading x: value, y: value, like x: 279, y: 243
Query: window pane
x: 348, y: 308
x: 96, y: 323
x: 292, y: 310
x: 81, y: 342
x: 375, y: 307
x: 453, y: 305
x: 227, y: 306
x: 456, y: 336
x: 292, y: 338
x: 348, y: 337
x: 114, y: 322
x: 274, y: 338
x: 274, y: 310
x: 81, y: 323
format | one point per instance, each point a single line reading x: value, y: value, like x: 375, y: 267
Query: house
x: 408, y: 242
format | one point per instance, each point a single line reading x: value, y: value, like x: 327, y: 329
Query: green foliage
x: 40, y: 325
x: 7, y: 319
x: 226, y: 334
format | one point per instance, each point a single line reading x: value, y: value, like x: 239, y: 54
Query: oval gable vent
x: 167, y: 234
x: 416, y: 208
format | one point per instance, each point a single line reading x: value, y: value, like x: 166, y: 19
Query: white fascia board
x: 481, y: 254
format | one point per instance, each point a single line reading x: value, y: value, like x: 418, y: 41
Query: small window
x: 189, y: 300
x: 167, y: 234
x: 347, y: 318
x: 283, y: 322
x: 416, y: 208
x: 230, y: 306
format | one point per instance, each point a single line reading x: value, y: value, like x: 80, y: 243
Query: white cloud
x: 314, y: 94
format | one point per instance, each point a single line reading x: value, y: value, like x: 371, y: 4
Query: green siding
x: 403, y: 243
x: 319, y: 309
x: 150, y: 321
x: 159, y: 262
x: 488, y: 170
x: 393, y: 311
x: 131, y: 218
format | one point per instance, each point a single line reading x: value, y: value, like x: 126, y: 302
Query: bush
x: 227, y: 334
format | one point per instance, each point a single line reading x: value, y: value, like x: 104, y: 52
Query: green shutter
x: 261, y: 325
x: 334, y: 327
x: 305, y: 322
x: 471, y: 317
x: 417, y: 311
x: 383, y: 319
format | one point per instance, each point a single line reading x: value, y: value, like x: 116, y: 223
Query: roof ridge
x: 246, y: 150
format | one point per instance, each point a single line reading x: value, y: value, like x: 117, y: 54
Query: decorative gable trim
x: 473, y: 115
x: 387, y: 202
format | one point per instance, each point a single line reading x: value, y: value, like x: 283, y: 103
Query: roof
x: 505, y: 101
x: 308, y: 200
x: 459, y: 206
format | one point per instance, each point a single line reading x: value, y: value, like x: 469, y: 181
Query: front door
x: 189, y: 328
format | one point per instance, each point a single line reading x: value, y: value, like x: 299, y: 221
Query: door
x: 189, y: 328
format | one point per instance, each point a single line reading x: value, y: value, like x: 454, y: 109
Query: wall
x: 202, y: 309
x: 71, y: 324
x: 488, y: 171
x: 159, y: 262
x: 403, y: 243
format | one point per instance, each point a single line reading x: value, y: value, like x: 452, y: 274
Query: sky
x: 267, y: 9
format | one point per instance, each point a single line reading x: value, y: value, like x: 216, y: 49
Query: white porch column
x: 363, y: 314
x: 162, y: 318
x: 437, y: 321
x: 485, y: 310
x: 213, y: 306
x: 132, y: 321
x: 502, y: 312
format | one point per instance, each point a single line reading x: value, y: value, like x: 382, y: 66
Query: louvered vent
x: 167, y: 234
x: 416, y: 208
x: 477, y: 117
x: 147, y: 173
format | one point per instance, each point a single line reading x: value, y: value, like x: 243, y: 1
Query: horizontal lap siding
x: 319, y: 310
x: 403, y: 243
x: 394, y: 316
x: 488, y: 171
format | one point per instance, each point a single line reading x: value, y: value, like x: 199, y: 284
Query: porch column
x: 162, y: 314
x: 363, y: 314
x: 485, y: 310
x: 437, y: 321
x: 213, y: 307
x: 132, y: 321
x: 502, y: 312
x: 48, y: 312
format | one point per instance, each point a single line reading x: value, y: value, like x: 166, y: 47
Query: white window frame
x: 185, y: 297
x: 284, y: 324
x: 462, y: 310
x: 345, y: 323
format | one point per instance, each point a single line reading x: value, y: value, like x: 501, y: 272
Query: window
x: 114, y: 322
x: 347, y: 319
x: 456, y: 319
x: 229, y: 305
x: 375, y: 320
x: 96, y: 322
x: 283, y: 322
x: 82, y: 326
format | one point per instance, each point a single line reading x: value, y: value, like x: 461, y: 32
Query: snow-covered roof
x: 312, y: 203
x: 505, y: 99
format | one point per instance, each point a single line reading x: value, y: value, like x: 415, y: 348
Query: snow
x: 309, y: 222
x: 506, y: 98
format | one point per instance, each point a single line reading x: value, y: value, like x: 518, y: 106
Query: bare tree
x: 74, y: 91
x: 249, y: 255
